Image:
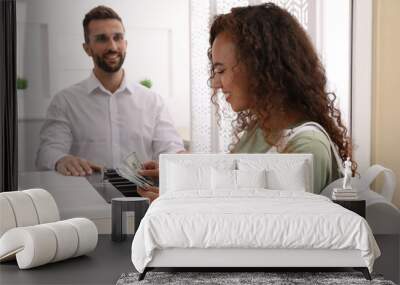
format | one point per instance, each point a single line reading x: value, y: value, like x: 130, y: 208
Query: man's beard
x: 102, y: 64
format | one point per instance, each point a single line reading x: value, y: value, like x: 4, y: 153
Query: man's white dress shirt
x: 88, y: 121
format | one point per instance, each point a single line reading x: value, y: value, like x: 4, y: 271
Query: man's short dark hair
x: 98, y: 13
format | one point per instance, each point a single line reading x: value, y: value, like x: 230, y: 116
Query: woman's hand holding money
x: 149, y: 169
x: 150, y: 192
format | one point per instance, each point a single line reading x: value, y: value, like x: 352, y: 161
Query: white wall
x: 50, y: 56
x: 334, y: 43
x: 28, y: 143
x: 386, y: 100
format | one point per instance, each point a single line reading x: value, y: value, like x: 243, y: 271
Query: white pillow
x: 223, y: 179
x: 188, y: 177
x: 251, y: 178
x: 293, y: 179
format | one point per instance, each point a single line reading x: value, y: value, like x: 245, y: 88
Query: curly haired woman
x: 265, y: 65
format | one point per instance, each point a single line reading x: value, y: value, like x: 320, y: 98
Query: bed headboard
x: 285, y: 171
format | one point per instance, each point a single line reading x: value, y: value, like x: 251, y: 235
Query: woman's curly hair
x: 283, y: 70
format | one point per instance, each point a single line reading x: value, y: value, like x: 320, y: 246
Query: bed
x: 247, y: 211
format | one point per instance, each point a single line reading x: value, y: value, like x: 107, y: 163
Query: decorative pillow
x: 251, y: 178
x: 293, y: 179
x: 223, y: 179
x: 188, y: 177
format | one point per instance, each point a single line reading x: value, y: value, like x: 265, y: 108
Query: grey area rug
x: 273, y: 278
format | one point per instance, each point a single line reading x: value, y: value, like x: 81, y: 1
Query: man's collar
x: 129, y: 87
x: 93, y: 83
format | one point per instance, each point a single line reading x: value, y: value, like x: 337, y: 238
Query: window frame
x: 361, y: 99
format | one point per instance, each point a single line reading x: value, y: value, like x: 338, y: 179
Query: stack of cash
x: 344, y: 194
x: 129, y: 170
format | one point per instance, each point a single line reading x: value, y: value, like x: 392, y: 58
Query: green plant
x: 146, y: 82
x: 22, y: 83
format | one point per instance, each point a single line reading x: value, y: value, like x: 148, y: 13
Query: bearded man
x: 100, y: 120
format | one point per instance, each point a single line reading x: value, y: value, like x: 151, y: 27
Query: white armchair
x: 31, y: 232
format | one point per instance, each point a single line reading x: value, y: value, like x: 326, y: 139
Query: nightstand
x: 120, y: 205
x: 357, y: 206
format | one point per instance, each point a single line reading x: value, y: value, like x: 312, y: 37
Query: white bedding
x: 252, y: 218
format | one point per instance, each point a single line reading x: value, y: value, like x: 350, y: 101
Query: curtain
x: 8, y: 98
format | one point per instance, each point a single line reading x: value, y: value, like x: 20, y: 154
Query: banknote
x: 129, y: 170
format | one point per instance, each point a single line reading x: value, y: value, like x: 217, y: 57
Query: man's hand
x: 71, y: 165
x: 150, y: 168
x: 150, y: 192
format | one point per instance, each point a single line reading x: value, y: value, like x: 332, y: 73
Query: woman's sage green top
x: 314, y: 142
